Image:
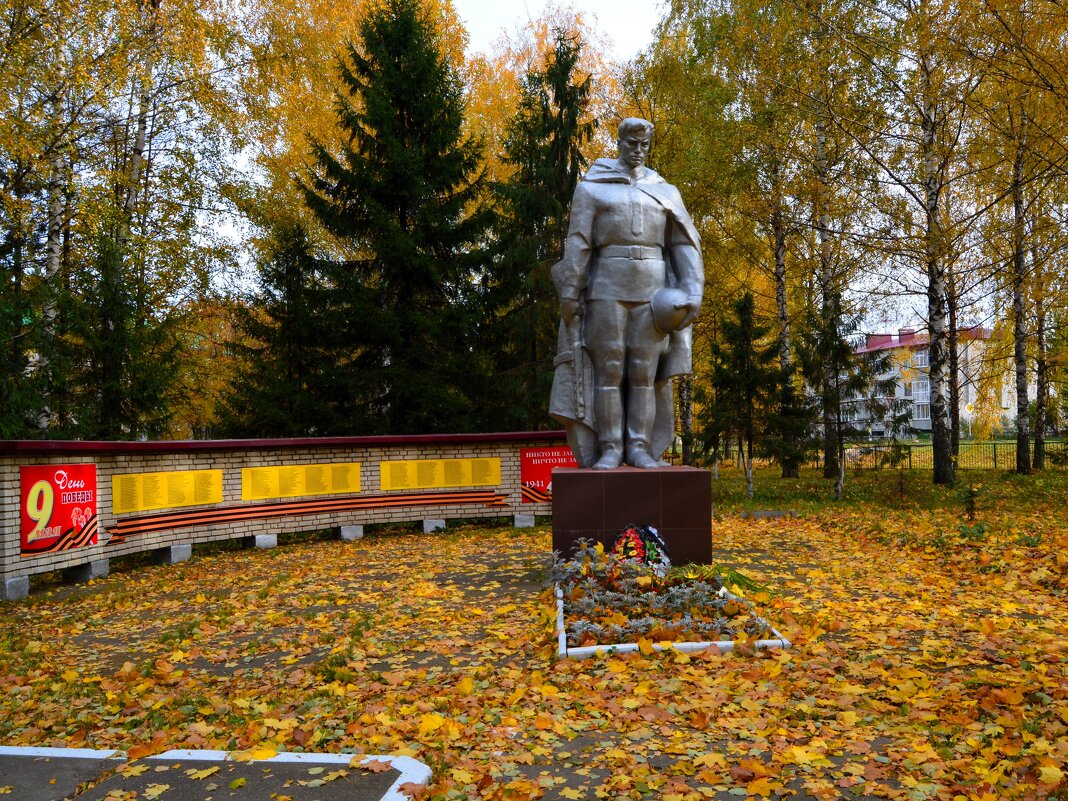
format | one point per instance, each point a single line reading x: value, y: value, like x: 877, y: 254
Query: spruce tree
x: 826, y: 356
x: 20, y: 391
x: 744, y: 377
x: 543, y: 143
x: 853, y: 379
x: 714, y: 422
x: 113, y: 365
x: 403, y: 196
x: 788, y: 438
x: 286, y: 343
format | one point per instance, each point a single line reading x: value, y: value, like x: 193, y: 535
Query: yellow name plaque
x: 439, y: 473
x: 288, y: 481
x: 141, y: 492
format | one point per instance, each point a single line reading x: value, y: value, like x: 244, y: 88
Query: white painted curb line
x: 59, y: 753
x: 583, y: 652
x: 411, y: 770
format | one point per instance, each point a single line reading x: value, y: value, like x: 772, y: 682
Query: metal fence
x: 971, y: 456
x: 918, y: 456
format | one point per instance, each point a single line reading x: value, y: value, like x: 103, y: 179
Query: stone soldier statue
x: 630, y: 285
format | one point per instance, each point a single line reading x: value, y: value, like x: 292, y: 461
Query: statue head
x: 635, y: 139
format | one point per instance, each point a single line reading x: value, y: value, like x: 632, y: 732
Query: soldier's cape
x: 564, y: 406
x: 605, y: 171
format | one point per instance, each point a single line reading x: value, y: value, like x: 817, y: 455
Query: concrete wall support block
x: 98, y: 568
x: 265, y: 540
x: 349, y: 533
x: 524, y: 521
x: 430, y: 525
x: 14, y: 588
x: 173, y: 554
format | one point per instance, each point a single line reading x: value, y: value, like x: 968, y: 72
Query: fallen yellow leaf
x: 1050, y: 774
x: 430, y: 722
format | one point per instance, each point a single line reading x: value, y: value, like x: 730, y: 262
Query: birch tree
x: 918, y: 51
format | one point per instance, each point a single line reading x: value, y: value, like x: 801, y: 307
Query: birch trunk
x: 144, y: 110
x: 53, y: 256
x: 686, y: 417
x: 1041, y: 368
x: 830, y: 416
x: 749, y: 469
x: 954, y: 366
x: 15, y: 357
x: 839, y: 483
x: 778, y: 245
x: 941, y: 450
x: 839, y: 452
x: 1019, y: 322
x: 137, y: 158
x: 778, y: 248
x: 831, y: 402
x: 779, y: 236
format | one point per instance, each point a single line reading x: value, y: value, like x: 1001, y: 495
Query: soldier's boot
x: 641, y: 412
x: 608, y: 408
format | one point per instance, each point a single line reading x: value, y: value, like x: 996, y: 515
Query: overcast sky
x: 628, y: 23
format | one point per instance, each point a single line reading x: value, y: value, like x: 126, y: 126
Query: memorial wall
x: 69, y: 504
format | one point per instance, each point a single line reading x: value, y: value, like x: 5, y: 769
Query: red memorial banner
x: 536, y: 471
x: 59, y: 507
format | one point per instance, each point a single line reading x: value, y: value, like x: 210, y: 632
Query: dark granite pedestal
x: 599, y: 504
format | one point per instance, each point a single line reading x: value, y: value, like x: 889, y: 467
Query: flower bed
x: 616, y: 605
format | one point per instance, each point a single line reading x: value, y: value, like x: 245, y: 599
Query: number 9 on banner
x: 40, y: 502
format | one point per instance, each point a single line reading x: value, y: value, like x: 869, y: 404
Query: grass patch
x: 976, y: 491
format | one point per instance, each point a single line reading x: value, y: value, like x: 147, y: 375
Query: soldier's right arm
x: 572, y: 272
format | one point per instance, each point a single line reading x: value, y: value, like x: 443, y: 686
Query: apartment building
x: 909, y: 353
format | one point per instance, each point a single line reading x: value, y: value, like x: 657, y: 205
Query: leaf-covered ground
x: 930, y: 661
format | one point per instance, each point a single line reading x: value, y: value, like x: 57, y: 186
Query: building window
x: 852, y: 412
x: 921, y: 411
x: 908, y: 389
x: 921, y: 358
x: 921, y: 390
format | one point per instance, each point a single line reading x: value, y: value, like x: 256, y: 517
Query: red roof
x: 909, y: 338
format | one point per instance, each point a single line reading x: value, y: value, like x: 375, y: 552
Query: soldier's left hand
x: 693, y: 308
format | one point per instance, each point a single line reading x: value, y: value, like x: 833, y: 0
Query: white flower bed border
x: 411, y: 770
x: 585, y: 651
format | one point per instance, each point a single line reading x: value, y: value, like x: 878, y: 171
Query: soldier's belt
x: 631, y: 252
